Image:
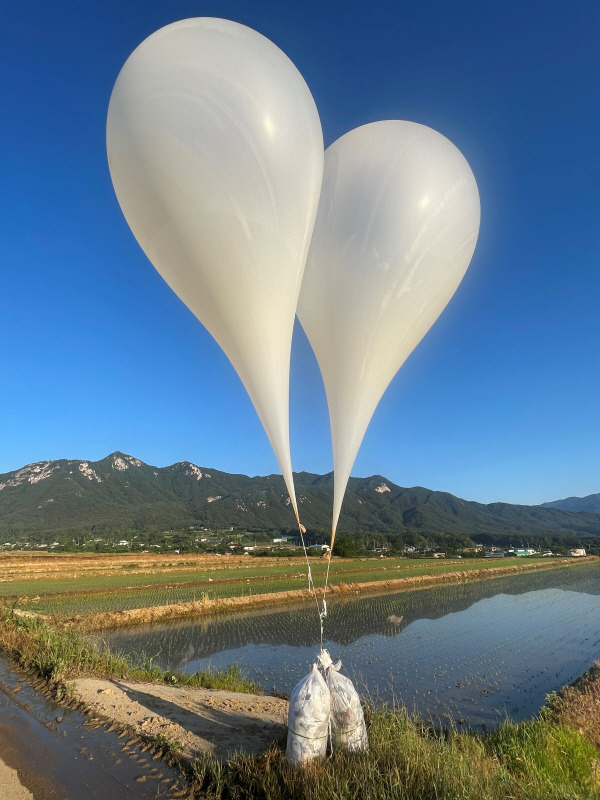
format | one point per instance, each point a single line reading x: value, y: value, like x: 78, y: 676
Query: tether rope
x: 311, y: 584
x: 321, y: 609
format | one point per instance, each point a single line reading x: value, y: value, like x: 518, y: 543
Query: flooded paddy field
x: 471, y: 653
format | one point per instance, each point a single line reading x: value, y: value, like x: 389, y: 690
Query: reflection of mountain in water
x: 349, y: 618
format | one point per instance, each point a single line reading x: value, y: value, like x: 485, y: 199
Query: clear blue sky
x: 501, y: 401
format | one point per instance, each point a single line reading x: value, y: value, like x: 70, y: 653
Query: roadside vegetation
x: 60, y: 656
x: 408, y: 760
x: 553, y: 757
x: 578, y: 705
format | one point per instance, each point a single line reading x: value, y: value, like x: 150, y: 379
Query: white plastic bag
x: 308, y: 719
x: 348, y: 727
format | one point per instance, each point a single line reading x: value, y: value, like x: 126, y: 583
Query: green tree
x: 345, y: 548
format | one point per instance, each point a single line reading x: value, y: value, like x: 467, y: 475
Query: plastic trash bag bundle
x: 348, y: 727
x: 308, y: 719
x: 347, y: 721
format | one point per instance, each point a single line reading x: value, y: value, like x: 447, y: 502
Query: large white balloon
x: 396, y: 229
x: 216, y: 155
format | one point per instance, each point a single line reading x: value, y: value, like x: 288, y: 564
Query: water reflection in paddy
x: 473, y: 652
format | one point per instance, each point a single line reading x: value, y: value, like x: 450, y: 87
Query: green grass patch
x: 407, y: 760
x: 167, y: 746
x: 555, y: 759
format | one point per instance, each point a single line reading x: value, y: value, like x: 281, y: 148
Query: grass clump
x: 578, y: 705
x: 231, y: 678
x: 555, y: 760
x: 50, y: 653
x: 408, y: 760
x: 164, y: 744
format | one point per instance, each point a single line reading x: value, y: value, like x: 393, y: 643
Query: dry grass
x: 44, y: 566
x: 47, y: 566
x: 578, y: 705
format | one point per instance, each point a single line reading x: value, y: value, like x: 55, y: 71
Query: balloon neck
x: 333, y: 531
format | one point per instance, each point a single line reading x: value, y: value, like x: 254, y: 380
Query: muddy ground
x: 49, y: 751
x: 218, y: 723
x: 10, y: 783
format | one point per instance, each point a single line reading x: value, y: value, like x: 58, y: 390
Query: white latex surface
x: 396, y: 229
x: 216, y: 156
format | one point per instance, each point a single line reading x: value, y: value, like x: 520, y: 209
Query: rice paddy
x: 472, y: 654
x: 72, y: 586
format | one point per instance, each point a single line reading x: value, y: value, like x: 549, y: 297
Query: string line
x: 311, y: 585
x: 321, y: 609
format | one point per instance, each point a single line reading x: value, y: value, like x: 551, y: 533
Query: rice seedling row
x: 86, y: 595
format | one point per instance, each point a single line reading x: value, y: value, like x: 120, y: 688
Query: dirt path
x: 218, y: 723
x: 11, y: 787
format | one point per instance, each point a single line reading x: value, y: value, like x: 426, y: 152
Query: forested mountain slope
x: 123, y: 493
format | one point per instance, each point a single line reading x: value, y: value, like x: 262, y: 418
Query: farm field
x: 64, y: 585
x: 471, y: 651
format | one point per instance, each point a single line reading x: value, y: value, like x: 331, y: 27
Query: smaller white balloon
x: 396, y: 228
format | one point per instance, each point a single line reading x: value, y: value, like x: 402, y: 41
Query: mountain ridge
x: 121, y: 492
x: 590, y: 502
